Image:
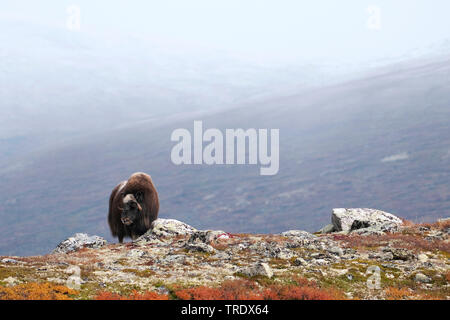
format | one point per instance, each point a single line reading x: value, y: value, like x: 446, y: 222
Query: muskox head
x: 131, y: 209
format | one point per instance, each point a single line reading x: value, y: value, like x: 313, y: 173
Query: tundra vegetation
x: 175, y: 261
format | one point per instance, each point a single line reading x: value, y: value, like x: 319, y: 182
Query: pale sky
x: 284, y: 30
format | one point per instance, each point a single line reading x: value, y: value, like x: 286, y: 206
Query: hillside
x: 381, y: 141
x: 386, y: 259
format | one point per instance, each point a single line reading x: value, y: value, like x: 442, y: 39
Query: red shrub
x: 250, y: 290
x: 149, y: 295
x: 407, y: 241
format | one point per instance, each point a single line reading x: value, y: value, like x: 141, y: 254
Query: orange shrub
x: 393, y: 293
x: 37, y: 291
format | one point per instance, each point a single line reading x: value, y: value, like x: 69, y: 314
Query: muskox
x: 133, y: 206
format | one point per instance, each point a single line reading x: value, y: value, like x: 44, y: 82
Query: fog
x: 259, y: 30
x: 77, y: 68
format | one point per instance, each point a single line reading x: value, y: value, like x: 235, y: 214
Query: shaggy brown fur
x: 133, y: 206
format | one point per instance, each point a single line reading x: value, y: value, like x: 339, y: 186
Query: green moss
x: 91, y: 289
x: 197, y: 253
x: 279, y: 263
x: 262, y: 280
x: 21, y: 273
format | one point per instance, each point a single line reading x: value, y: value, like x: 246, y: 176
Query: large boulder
x: 78, y: 241
x: 360, y: 218
x: 166, y: 228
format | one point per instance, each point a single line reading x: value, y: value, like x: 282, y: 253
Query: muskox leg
x: 120, y: 238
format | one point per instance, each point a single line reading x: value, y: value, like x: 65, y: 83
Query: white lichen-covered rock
x: 78, y: 241
x: 11, y: 281
x: 9, y: 260
x: 259, y: 269
x: 208, y: 236
x: 200, y: 247
x: 420, y: 277
x: 271, y: 250
x: 136, y: 253
x: 169, y: 228
x: 360, y: 218
x: 299, y: 234
x: 327, y: 229
x: 377, y: 229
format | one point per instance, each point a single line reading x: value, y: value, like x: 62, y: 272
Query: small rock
x: 11, y: 281
x: 435, y: 235
x: 387, y: 256
x: 400, y: 253
x: 208, y: 236
x: 169, y: 228
x: 384, y: 256
x: 9, y: 260
x: 378, y: 229
x: 321, y: 261
x: 339, y: 272
x: 135, y: 253
x: 271, y: 250
x: 337, y: 251
x: 222, y: 256
x: 78, y: 241
x: 172, y: 259
x: 260, y: 269
x: 329, y: 228
x: 299, y: 262
x: 162, y: 290
x: 318, y: 255
x: 420, y: 277
x: 299, y: 234
x: 422, y: 257
x: 200, y: 247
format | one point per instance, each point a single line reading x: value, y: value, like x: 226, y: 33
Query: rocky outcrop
x: 78, y: 241
x: 174, y: 254
x: 169, y: 228
x: 362, y: 221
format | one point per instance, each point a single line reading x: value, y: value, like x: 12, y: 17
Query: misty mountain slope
x: 56, y: 84
x: 382, y: 142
